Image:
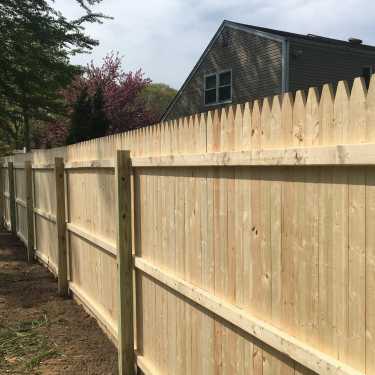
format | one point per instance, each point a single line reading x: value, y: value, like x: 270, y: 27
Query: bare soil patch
x: 41, y: 333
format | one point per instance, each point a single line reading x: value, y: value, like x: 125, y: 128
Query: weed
x: 23, y: 347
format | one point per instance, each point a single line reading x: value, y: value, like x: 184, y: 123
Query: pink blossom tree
x: 123, y: 104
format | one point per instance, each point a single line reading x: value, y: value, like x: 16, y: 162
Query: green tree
x: 157, y: 97
x: 36, y: 43
x: 99, y: 121
x: 88, y: 119
x: 80, y: 119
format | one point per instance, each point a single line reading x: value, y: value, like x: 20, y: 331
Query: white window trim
x: 217, y: 74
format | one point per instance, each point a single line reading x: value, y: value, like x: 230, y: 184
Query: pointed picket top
x: 287, y: 118
x: 216, y: 134
x: 137, y: 140
x: 370, y: 118
x: 149, y: 141
x: 203, y: 132
x: 179, y: 128
x: 173, y: 137
x: 229, y: 132
x: 238, y: 119
x: 162, y: 138
x: 246, y: 127
x: 191, y: 134
x: 156, y: 144
x: 181, y: 134
x: 326, y: 136
x: 255, y: 134
x: 143, y: 139
x: 187, y: 136
x: 299, y: 114
x: 177, y: 125
x: 209, y: 131
x: 222, y: 127
x: 341, y: 113
x: 312, y: 121
x: 135, y: 143
x: 140, y: 142
x: 122, y: 141
x: 145, y: 142
x: 169, y: 136
x: 195, y: 133
x: 152, y: 140
x: 159, y: 133
x: 265, y: 123
x: 357, y: 107
x: 130, y: 139
x: 276, y: 139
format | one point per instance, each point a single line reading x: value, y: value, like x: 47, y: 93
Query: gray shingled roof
x: 308, y: 37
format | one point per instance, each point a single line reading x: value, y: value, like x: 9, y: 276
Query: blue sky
x: 166, y: 37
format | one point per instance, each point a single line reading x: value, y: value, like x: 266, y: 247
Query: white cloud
x: 166, y: 37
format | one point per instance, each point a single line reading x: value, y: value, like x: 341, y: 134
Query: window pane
x: 211, y: 82
x: 210, y: 96
x: 225, y: 93
x: 225, y: 78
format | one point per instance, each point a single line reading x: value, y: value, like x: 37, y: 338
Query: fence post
x: 12, y: 198
x: 126, y: 358
x: 30, y: 210
x: 62, y: 262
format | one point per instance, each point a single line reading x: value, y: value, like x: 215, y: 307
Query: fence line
x: 251, y: 235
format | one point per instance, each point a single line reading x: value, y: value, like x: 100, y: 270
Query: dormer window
x: 218, y: 88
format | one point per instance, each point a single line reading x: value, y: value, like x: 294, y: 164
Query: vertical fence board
x: 291, y: 246
x: 124, y: 261
x: 62, y: 260
x: 370, y: 238
x: 12, y: 198
x: 30, y: 210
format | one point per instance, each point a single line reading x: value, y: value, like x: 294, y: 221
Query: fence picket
x: 30, y: 210
x: 266, y: 206
x: 62, y: 266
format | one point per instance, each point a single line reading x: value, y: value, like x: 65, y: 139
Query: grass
x: 23, y: 347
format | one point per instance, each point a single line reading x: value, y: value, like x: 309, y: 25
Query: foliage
x: 120, y: 90
x: 23, y: 347
x: 157, y: 97
x: 88, y: 119
x: 36, y: 43
x: 50, y: 134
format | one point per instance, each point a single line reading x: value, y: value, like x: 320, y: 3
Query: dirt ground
x: 41, y: 333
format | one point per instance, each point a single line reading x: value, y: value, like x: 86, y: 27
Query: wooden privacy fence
x: 250, y: 233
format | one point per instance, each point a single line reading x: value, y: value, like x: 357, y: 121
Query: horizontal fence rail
x: 243, y: 237
x: 340, y: 155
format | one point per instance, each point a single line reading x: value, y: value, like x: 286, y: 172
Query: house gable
x: 266, y: 62
x: 255, y: 58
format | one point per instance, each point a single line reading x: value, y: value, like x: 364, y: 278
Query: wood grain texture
x: 125, y: 338
x: 30, y: 210
x: 12, y: 198
x: 62, y: 260
x: 266, y: 207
